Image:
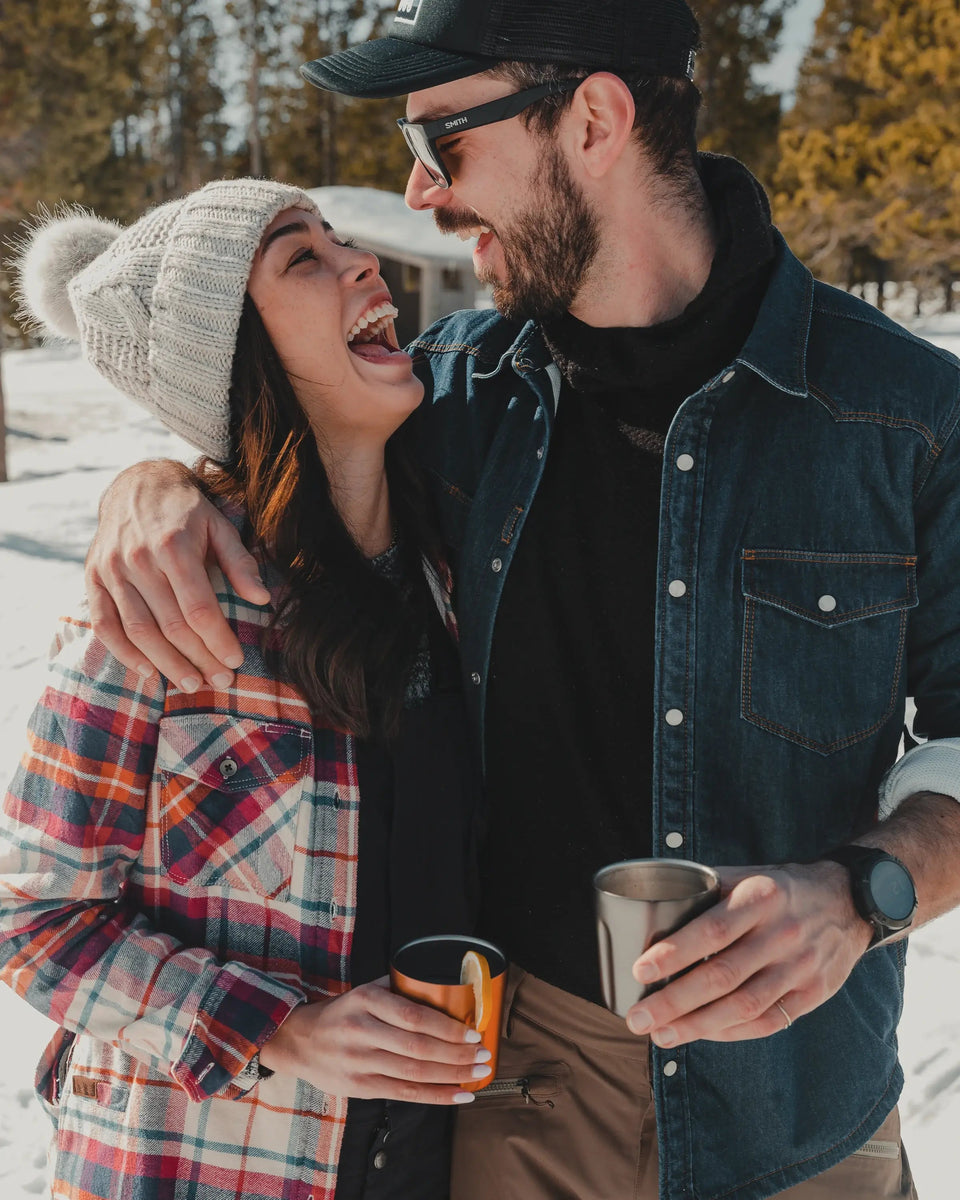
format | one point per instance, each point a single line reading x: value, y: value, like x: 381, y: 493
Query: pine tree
x: 739, y: 116
x: 868, y: 179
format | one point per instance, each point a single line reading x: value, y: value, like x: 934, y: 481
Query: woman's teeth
x: 374, y: 321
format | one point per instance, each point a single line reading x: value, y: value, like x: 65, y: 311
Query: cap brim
x: 390, y: 67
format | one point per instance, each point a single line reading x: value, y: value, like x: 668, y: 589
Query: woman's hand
x: 370, y: 1043
x: 151, y: 601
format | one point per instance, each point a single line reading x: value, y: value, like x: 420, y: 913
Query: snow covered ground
x: 68, y: 435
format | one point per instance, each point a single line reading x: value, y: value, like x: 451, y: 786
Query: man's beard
x: 548, y: 252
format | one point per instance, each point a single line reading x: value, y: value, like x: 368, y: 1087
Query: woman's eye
x: 302, y: 256
x: 349, y: 243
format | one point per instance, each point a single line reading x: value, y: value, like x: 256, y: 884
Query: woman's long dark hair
x: 347, y: 638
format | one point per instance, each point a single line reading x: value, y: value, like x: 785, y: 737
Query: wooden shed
x: 428, y: 273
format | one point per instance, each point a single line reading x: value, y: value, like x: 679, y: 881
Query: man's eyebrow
x: 432, y: 113
x: 299, y: 226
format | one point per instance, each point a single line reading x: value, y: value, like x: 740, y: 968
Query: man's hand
x: 151, y: 601
x: 787, y: 934
x: 370, y: 1043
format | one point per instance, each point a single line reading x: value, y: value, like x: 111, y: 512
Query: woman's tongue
x: 370, y: 350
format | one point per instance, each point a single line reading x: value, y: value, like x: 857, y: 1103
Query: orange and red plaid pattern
x: 177, y: 872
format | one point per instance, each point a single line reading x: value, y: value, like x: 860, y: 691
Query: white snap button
x: 729, y: 375
x: 228, y: 768
x: 475, y: 677
x: 670, y: 1068
x: 674, y: 716
x: 540, y: 452
x: 674, y: 840
x: 380, y: 1160
x: 496, y: 565
x: 677, y: 587
x: 685, y: 462
x: 827, y: 603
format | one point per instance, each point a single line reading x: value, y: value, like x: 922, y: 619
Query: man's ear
x: 600, y: 119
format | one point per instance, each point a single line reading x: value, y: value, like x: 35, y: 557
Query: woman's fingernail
x: 464, y: 1098
x: 645, y: 973
x: 480, y: 1071
x: 222, y: 680
x: 145, y: 669
x: 639, y: 1021
x: 483, y: 1055
x: 471, y: 1036
x: 664, y: 1037
x: 190, y: 684
x: 233, y: 661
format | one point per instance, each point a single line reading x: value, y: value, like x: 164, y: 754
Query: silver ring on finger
x: 783, y: 1012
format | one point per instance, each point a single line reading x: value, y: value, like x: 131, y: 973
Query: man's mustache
x: 453, y: 222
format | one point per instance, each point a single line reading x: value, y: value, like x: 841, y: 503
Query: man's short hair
x: 666, y: 111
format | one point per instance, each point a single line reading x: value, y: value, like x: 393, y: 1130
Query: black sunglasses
x: 422, y: 139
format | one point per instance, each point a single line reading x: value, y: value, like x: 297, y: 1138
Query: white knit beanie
x: 156, y: 306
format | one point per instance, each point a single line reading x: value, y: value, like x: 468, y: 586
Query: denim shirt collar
x: 776, y: 348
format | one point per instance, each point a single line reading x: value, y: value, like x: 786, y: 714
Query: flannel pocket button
x: 228, y: 767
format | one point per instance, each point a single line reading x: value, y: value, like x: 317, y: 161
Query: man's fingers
x: 237, y: 563
x: 108, y: 627
x: 195, y: 605
x: 167, y: 642
x: 719, y: 927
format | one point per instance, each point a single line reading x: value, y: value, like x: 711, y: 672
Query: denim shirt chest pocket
x: 823, y: 642
x: 229, y: 801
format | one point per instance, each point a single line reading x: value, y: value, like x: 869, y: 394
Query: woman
x: 180, y: 884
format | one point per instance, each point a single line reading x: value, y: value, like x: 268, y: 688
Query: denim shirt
x: 810, y: 506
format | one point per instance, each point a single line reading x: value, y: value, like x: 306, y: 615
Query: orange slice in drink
x: 475, y: 970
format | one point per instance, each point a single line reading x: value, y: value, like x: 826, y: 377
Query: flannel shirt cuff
x: 932, y: 767
x: 242, y: 1009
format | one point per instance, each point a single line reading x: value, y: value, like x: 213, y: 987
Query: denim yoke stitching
x: 876, y: 418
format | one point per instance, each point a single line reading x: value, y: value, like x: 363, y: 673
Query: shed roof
x: 385, y: 225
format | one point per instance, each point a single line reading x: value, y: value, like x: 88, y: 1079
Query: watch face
x: 892, y: 891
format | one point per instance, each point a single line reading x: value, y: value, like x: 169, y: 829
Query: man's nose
x: 421, y: 191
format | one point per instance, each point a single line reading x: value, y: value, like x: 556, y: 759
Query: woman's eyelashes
x: 306, y: 253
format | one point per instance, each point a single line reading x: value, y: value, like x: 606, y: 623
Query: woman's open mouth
x: 373, y: 337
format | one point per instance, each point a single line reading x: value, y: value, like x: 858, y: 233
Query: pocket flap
x: 830, y: 588
x: 232, y: 754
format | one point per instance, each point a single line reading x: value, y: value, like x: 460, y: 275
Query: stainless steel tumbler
x: 638, y: 903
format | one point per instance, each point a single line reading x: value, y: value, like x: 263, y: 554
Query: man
x: 696, y: 476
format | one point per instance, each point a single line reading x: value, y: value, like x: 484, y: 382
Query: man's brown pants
x: 570, y: 1116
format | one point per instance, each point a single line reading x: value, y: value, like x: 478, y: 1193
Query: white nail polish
x: 479, y: 1071
x: 464, y: 1098
x: 482, y: 1055
x: 471, y: 1036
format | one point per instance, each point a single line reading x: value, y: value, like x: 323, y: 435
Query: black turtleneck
x: 569, y: 719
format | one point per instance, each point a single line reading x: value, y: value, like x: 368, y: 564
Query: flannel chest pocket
x: 823, y: 642
x: 230, y: 795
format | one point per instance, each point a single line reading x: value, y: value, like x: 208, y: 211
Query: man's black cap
x: 436, y: 41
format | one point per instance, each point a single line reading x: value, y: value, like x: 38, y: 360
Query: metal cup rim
x: 686, y: 863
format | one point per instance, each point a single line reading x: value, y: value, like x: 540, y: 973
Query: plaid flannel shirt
x: 177, y: 873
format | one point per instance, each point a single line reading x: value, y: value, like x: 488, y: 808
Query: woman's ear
x: 600, y: 119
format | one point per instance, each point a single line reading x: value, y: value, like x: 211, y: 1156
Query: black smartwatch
x: 882, y: 888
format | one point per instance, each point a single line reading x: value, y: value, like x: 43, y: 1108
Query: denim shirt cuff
x: 932, y: 767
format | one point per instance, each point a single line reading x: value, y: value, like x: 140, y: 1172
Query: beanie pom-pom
x: 53, y: 250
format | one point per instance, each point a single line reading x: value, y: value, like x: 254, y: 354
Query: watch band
x: 859, y: 861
